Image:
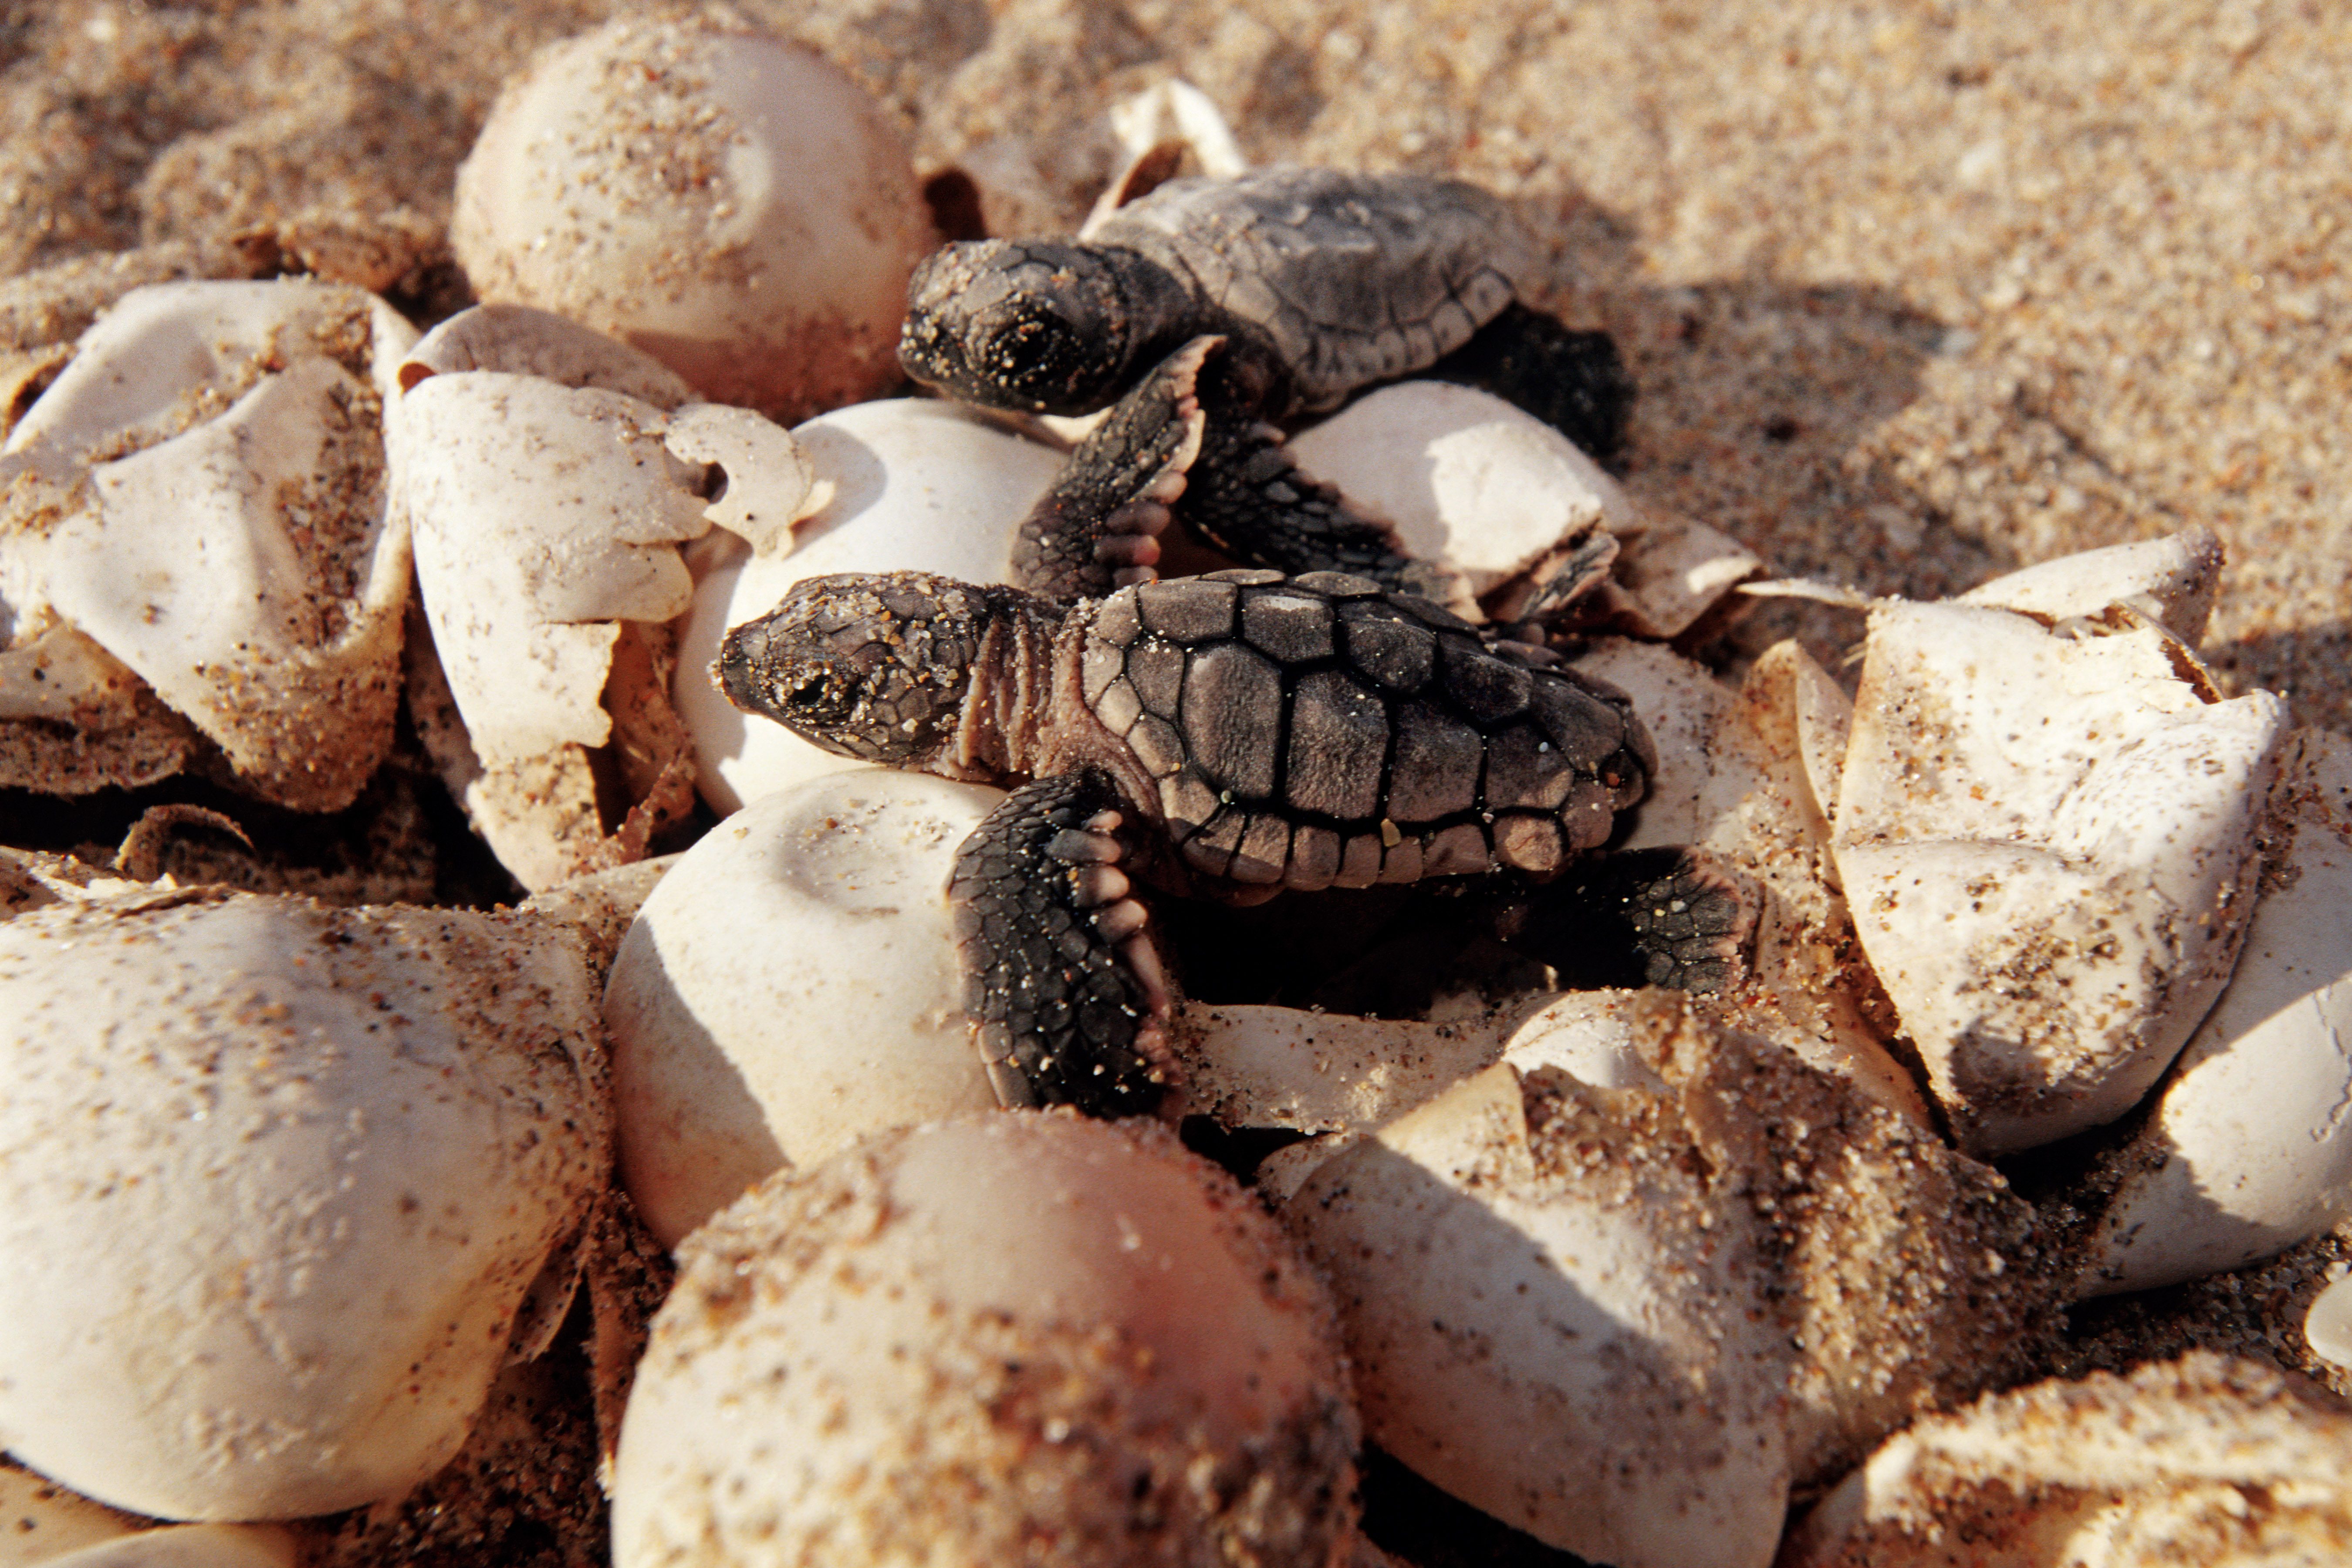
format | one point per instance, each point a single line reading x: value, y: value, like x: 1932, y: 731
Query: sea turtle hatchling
x: 1233, y: 734
x: 1208, y: 308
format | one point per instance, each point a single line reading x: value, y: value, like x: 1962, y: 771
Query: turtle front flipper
x: 1574, y: 381
x: 1065, y: 990
x: 1248, y: 497
x: 1098, y: 527
x: 1682, y: 918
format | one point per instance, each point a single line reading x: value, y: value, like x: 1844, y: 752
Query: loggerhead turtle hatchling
x: 1206, y: 308
x: 1233, y: 734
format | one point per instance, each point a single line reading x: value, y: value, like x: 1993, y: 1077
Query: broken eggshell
x: 791, y: 985
x: 2172, y: 579
x: 1555, y: 1319
x: 201, y: 494
x: 727, y: 201
x: 1742, y: 774
x: 317, y: 1159
x: 2248, y: 1152
x: 899, y: 485
x: 2046, y: 837
x: 2205, y: 1461
x: 546, y: 521
x: 1016, y: 1337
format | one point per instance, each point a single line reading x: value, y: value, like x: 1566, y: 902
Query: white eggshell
x: 239, y: 561
x: 1257, y: 1066
x: 2046, y: 838
x: 1554, y: 1318
x: 543, y: 516
x: 191, y: 1546
x: 1462, y: 475
x: 2327, y: 1327
x: 1733, y: 778
x: 2205, y: 1461
x: 2175, y: 576
x: 278, y: 1179
x: 904, y: 484
x: 1016, y: 1337
x: 730, y: 203
x: 2249, y: 1152
x: 1596, y: 1036
x: 521, y: 340
x: 791, y: 985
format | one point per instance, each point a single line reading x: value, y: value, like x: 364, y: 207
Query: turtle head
x: 870, y: 666
x: 1028, y: 324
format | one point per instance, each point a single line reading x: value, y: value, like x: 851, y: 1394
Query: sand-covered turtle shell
x: 1349, y: 277
x: 1316, y: 732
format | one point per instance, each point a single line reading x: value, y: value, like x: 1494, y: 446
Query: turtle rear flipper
x: 1574, y: 381
x: 1063, y: 986
x: 1682, y: 918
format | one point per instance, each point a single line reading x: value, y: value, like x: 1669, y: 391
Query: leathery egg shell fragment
x: 2205, y: 1461
x: 1019, y: 1337
x: 1558, y: 1321
x: 2249, y: 1152
x: 727, y: 201
x: 279, y: 1178
x: 2046, y: 837
x: 201, y: 494
x: 548, y: 520
x: 899, y: 485
x: 791, y: 985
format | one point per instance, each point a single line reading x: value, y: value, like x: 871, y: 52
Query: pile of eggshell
x: 289, y: 1185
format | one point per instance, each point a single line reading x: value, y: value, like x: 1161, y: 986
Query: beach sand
x: 1914, y: 294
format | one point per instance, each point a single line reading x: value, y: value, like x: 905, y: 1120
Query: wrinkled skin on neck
x: 905, y: 668
x: 1038, y: 325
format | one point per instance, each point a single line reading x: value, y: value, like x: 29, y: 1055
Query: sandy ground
x: 1914, y: 293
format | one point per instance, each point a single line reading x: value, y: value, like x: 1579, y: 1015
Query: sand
x: 1914, y: 294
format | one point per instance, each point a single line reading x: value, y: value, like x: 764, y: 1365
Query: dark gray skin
x: 1218, y: 308
x: 1231, y: 735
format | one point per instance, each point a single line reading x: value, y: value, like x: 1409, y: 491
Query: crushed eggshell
x: 2205, y: 1461
x: 288, y: 1121
x: 2249, y: 1152
x: 790, y: 986
x: 2046, y: 838
x: 548, y: 520
x: 1735, y: 777
x: 729, y: 202
x: 1039, y: 1338
x: 902, y: 484
x: 2172, y: 579
x: 521, y: 340
x: 201, y: 494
